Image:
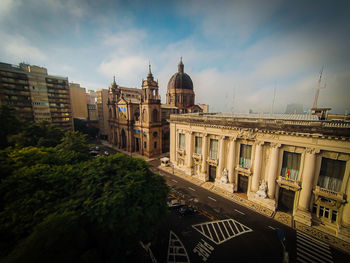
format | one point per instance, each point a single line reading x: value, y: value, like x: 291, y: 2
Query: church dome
x: 180, y: 80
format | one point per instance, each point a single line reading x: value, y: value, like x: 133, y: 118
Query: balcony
x: 338, y: 197
x: 289, y: 184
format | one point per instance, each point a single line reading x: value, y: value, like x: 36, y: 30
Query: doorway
x: 242, y: 186
x: 286, y: 200
x: 137, y: 144
x: 123, y: 139
x: 212, y: 173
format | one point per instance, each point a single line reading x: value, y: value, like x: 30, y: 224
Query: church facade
x: 137, y: 119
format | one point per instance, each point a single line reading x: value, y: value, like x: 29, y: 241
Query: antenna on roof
x: 317, y: 93
x: 273, y: 99
x: 233, y: 100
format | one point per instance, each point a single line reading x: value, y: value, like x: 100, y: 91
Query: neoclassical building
x: 292, y: 163
x: 137, y: 119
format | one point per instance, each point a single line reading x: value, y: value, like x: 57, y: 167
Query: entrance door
x: 123, y: 139
x: 212, y: 173
x: 137, y: 142
x: 242, y: 183
x: 286, y: 200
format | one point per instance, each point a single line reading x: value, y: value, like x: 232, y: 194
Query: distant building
x: 35, y: 95
x: 78, y: 101
x: 296, y: 164
x: 92, y: 112
x: 91, y: 96
x: 102, y: 110
x: 138, y: 120
x: 294, y: 108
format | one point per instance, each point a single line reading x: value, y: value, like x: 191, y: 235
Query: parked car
x: 175, y: 203
x: 97, y: 148
x: 106, y: 153
x: 186, y: 210
x: 94, y: 153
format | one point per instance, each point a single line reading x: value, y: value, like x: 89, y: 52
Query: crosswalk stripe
x: 218, y: 231
x: 310, y: 249
x: 176, y: 250
x: 302, y: 235
x: 312, y: 246
x: 316, y: 253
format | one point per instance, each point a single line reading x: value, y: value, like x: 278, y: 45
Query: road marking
x: 239, y: 212
x: 174, y: 180
x: 309, y: 248
x: 203, y: 249
x: 176, y: 250
x: 211, y: 198
x: 191, y: 189
x: 223, y: 234
x: 272, y: 227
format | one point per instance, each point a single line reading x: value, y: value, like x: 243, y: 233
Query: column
x: 173, y: 144
x: 308, y: 178
x: 257, y: 166
x: 189, y: 149
x: 346, y: 211
x: 204, y: 153
x: 221, y: 158
x: 271, y: 183
x: 231, y: 160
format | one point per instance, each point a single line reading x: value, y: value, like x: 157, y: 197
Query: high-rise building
x: 14, y: 91
x: 102, y: 110
x: 78, y: 100
x: 35, y: 95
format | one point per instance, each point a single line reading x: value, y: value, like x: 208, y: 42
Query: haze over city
x: 236, y: 52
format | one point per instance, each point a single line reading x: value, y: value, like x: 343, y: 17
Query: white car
x: 175, y: 203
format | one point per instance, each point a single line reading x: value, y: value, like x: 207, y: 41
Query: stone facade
x: 291, y: 163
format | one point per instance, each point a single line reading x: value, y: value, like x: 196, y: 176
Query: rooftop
x: 277, y: 123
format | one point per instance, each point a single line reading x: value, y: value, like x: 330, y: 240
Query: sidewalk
x: 281, y: 217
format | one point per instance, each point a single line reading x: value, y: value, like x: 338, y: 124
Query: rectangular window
x: 290, y: 165
x: 181, y: 141
x: 245, y: 156
x: 155, y: 145
x: 331, y: 174
x: 144, y: 144
x: 334, y: 215
x: 198, y: 145
x: 213, y: 152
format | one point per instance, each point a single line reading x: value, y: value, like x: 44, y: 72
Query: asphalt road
x: 245, y: 235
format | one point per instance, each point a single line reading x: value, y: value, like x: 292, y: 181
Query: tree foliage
x: 57, y: 206
x: 9, y: 124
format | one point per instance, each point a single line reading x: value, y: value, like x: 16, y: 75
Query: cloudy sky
x: 236, y: 52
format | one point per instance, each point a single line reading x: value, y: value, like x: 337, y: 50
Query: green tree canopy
x: 87, y: 211
x: 9, y: 124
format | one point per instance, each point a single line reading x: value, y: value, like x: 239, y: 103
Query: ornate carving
x: 275, y: 145
x: 259, y: 143
x: 224, y: 176
x: 262, y: 189
x: 312, y: 150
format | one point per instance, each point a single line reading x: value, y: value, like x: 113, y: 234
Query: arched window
x: 155, y: 115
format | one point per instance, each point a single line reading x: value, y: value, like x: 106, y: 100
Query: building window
x: 290, y: 165
x: 331, y: 174
x: 213, y: 152
x: 155, y: 115
x: 181, y: 141
x: 198, y: 145
x: 245, y: 156
x: 155, y: 145
x: 144, y: 144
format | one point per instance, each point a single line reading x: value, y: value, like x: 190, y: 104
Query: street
x: 224, y: 231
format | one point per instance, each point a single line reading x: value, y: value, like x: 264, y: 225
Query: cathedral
x: 137, y: 119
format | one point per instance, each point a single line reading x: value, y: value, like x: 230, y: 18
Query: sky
x: 241, y: 55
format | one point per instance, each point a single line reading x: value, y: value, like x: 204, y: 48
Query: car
x: 94, y: 153
x: 174, y: 203
x: 106, y: 153
x: 97, y: 148
x: 186, y: 210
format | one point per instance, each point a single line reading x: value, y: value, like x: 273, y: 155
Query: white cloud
x: 17, y: 47
x: 128, y: 70
x: 5, y: 7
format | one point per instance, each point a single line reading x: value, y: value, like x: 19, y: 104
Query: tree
x: 9, y: 124
x: 37, y: 134
x: 98, y: 208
